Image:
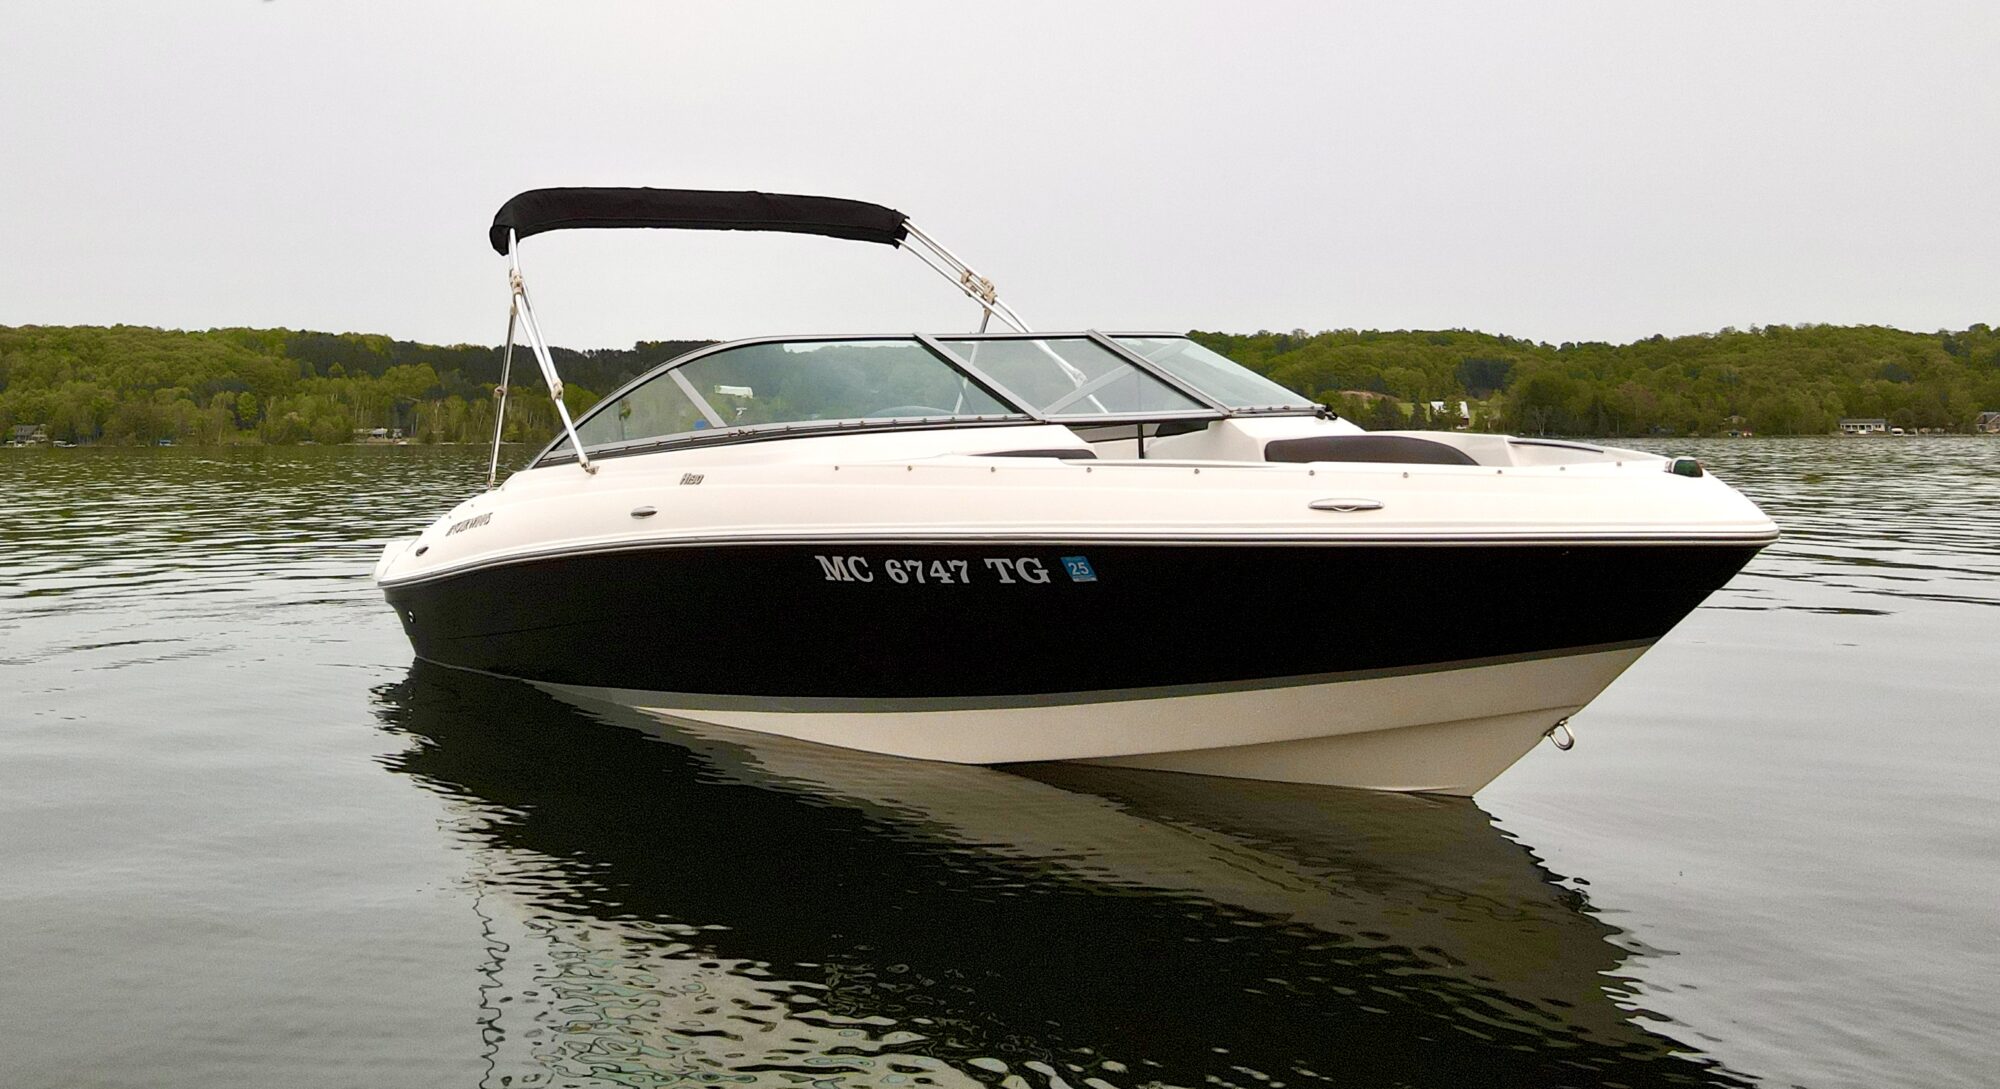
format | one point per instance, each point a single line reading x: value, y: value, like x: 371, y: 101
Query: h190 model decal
x: 1005, y: 570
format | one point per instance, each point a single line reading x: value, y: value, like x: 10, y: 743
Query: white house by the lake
x: 1461, y: 421
x: 1870, y: 426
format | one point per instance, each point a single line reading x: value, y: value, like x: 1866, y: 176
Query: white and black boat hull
x: 1347, y: 663
x: 1019, y: 546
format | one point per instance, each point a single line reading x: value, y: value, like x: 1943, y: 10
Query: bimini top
x: 539, y: 210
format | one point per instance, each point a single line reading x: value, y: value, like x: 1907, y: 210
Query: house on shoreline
x: 28, y: 435
x: 1460, y: 420
x: 1988, y: 423
x: 1874, y: 425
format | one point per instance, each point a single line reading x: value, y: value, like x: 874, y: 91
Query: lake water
x: 244, y: 842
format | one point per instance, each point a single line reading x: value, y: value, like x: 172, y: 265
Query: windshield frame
x: 1021, y: 411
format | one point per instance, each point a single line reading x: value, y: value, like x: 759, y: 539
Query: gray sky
x: 1557, y: 171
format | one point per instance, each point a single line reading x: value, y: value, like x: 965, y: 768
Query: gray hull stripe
x: 697, y: 701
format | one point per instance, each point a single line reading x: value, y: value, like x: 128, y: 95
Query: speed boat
x: 1012, y: 545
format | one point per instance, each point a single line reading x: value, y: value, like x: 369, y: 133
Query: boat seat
x: 1401, y: 449
x: 1067, y: 452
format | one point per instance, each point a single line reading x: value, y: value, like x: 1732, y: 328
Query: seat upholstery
x: 1402, y: 449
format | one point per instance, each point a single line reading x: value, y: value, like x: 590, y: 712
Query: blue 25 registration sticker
x: 1079, y: 569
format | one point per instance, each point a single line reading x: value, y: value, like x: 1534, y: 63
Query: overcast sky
x: 1556, y: 171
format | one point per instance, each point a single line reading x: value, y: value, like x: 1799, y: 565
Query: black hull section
x: 929, y: 622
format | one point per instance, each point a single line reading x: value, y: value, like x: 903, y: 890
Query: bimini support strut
x: 981, y: 290
x: 976, y: 287
x: 519, y: 308
x: 500, y: 396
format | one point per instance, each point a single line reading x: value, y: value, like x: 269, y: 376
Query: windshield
x: 1218, y: 376
x: 1071, y: 377
x: 787, y: 383
x: 744, y: 390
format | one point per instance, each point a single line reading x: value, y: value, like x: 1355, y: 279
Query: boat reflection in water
x: 737, y: 908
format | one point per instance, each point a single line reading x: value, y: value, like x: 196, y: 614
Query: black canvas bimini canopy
x: 539, y: 210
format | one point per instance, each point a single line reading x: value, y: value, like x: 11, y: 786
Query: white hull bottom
x: 1446, y: 731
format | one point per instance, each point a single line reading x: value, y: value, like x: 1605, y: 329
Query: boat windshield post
x: 500, y: 395
x: 540, y: 348
x: 976, y: 287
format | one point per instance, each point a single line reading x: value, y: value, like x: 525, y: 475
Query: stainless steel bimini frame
x: 521, y: 317
x: 521, y: 313
x: 976, y: 287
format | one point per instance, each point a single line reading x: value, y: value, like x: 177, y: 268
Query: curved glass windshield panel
x: 1216, y: 375
x: 1070, y: 377
x: 794, y: 382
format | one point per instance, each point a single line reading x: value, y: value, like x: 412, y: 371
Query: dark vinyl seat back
x: 1067, y: 453
x: 1398, y: 449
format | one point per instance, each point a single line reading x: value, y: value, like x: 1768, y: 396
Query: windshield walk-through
x: 1071, y: 377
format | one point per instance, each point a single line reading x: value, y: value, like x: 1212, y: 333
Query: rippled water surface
x: 244, y: 841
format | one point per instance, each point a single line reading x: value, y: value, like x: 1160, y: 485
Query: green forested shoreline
x: 138, y: 385
x: 129, y: 384
x: 1773, y: 380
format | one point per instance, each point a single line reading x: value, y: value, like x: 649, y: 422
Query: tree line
x: 1771, y: 380
x: 136, y: 385
x: 139, y: 385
